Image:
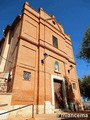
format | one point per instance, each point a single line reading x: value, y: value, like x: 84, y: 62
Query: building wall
x: 34, y: 33
x: 13, y: 47
x: 27, y: 60
x: 4, y: 53
x: 36, y: 39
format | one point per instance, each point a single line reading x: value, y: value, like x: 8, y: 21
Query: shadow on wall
x: 74, y: 105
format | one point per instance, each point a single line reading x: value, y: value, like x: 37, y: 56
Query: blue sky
x: 74, y: 15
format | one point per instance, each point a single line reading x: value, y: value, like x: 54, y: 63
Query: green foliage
x: 85, y: 47
x: 85, y: 86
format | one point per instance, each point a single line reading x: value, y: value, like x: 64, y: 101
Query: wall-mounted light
x: 71, y: 66
x: 45, y: 56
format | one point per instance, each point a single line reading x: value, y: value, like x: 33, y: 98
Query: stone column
x: 64, y: 94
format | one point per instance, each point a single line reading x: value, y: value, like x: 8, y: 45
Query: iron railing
x: 20, y: 108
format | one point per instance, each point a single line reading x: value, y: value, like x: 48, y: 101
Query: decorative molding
x: 63, y: 89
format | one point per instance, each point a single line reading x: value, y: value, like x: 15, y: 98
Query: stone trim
x: 63, y: 92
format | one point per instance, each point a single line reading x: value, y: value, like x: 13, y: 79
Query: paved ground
x: 56, y: 116
x: 61, y: 116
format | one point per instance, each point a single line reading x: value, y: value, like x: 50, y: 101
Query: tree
x: 85, y: 86
x: 85, y: 47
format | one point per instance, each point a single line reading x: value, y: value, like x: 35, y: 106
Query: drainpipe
x: 66, y: 104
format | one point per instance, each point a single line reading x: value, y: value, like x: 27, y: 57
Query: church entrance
x: 58, y: 96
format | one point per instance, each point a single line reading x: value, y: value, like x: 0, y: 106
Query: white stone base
x: 40, y: 109
x: 48, y: 107
x: 4, y: 116
x: 81, y: 108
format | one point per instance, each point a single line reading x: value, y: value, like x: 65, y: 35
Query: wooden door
x: 58, y: 94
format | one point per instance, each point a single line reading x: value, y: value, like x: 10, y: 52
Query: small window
x: 26, y: 75
x: 74, y: 85
x: 55, y: 41
x: 53, y: 22
x: 56, y: 66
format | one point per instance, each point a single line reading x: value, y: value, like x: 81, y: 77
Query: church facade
x: 37, y: 64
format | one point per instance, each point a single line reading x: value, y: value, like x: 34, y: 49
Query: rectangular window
x: 26, y: 75
x: 74, y: 85
x: 55, y: 41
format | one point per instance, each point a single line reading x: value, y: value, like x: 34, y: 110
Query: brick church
x: 37, y: 65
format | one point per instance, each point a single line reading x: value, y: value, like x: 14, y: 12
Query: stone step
x: 55, y: 116
x: 47, y: 117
